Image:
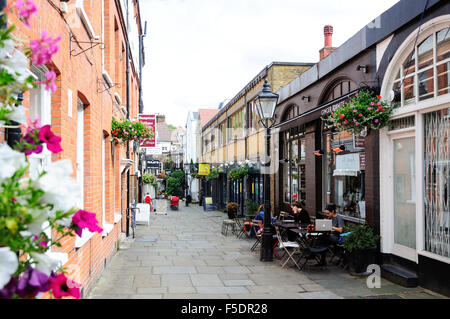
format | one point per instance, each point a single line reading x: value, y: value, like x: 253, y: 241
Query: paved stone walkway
x: 183, y: 255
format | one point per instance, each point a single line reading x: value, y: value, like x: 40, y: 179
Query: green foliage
x: 361, y: 237
x: 252, y: 207
x: 149, y: 179
x: 171, y: 127
x: 213, y: 174
x: 128, y: 131
x: 363, y: 110
x: 175, y: 183
x: 238, y: 173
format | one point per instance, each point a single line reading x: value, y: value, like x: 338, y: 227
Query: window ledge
x: 60, y: 256
x: 117, y: 218
x: 84, y: 18
x: 353, y: 219
x: 85, y: 237
x: 107, y: 228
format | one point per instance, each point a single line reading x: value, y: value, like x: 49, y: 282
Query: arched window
x: 338, y: 89
x: 291, y: 112
x: 424, y: 73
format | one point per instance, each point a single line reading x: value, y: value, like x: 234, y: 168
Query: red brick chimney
x: 328, y: 46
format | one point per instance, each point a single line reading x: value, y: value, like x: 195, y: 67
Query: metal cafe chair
x: 290, y: 249
x: 258, y: 233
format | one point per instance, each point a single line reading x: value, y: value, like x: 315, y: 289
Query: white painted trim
x: 86, y: 235
x: 117, y: 217
x: 63, y: 258
x: 434, y: 256
x: 84, y: 18
x: 381, y: 48
x: 117, y: 97
x: 107, y: 228
x: 69, y: 103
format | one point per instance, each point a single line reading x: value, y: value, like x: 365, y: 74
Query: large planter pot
x: 361, y: 258
x: 232, y: 214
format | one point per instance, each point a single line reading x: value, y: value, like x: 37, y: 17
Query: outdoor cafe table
x: 301, y: 234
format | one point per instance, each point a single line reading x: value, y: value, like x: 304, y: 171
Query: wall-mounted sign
x: 203, y: 169
x: 150, y: 121
x: 362, y: 161
x: 153, y: 165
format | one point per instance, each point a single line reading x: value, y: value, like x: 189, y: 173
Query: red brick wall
x: 82, y: 75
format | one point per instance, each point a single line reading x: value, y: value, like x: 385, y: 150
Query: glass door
x: 404, y: 197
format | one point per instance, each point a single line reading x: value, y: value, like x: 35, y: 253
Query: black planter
x: 231, y: 214
x: 361, y: 258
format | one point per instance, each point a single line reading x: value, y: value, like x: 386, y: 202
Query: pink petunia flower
x: 44, y: 48
x: 47, y: 136
x: 49, y: 82
x: 376, y: 121
x: 84, y: 219
x: 61, y: 286
x: 26, y: 9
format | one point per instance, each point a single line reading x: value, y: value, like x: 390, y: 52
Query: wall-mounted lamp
x: 304, y: 97
x: 284, y: 161
x: 339, y: 149
x: 365, y: 67
x: 318, y: 153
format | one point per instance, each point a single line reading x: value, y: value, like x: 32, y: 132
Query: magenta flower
x: 30, y: 145
x: 376, y: 121
x: 53, y: 142
x: 10, y: 289
x: 356, y: 95
x: 84, y: 219
x: 61, y: 286
x: 370, y: 108
x: 371, y: 103
x: 44, y: 48
x: 26, y: 9
x: 50, y: 81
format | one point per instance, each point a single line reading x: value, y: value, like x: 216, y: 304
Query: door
x: 404, y: 197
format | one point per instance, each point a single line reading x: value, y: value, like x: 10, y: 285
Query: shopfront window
x: 294, y: 167
x: 345, y: 173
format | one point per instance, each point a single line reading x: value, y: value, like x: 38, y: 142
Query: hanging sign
x: 150, y: 122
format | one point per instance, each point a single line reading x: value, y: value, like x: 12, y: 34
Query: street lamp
x: 266, y: 103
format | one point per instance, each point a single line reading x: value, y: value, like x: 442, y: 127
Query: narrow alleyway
x: 184, y: 255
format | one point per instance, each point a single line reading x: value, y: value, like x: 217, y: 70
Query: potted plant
x: 232, y: 208
x: 362, y: 112
x: 361, y: 245
x: 252, y: 208
x: 127, y: 130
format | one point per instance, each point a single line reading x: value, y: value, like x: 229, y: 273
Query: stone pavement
x: 183, y: 255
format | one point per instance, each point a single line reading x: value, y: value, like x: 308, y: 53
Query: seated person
x: 259, y: 216
x: 337, y: 222
x: 300, y: 214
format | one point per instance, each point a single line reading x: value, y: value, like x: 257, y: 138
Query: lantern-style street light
x: 266, y: 103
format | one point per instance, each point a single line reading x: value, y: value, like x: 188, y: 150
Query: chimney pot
x: 328, y: 32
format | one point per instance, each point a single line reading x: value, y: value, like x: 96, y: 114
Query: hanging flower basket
x: 362, y: 112
x: 130, y: 131
x: 149, y: 179
x: 238, y: 173
x: 213, y: 174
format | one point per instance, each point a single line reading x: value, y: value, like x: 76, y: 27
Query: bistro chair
x: 226, y: 224
x: 258, y: 233
x: 290, y: 248
x: 311, y: 251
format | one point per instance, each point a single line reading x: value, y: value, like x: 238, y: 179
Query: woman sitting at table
x: 259, y: 216
x: 300, y: 214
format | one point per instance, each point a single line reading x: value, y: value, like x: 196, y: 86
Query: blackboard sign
x: 208, y: 204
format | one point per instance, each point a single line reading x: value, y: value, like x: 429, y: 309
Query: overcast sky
x: 202, y: 52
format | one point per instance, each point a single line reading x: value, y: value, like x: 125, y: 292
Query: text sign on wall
x: 150, y: 121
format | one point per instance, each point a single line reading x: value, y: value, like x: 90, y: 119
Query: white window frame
x: 418, y: 109
x: 107, y: 228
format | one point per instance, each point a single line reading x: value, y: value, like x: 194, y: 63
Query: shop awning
x: 347, y: 165
x: 320, y: 111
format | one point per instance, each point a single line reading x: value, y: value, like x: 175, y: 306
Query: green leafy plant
x: 238, y: 173
x: 149, y: 179
x: 361, y: 237
x: 252, y: 207
x: 364, y: 110
x: 213, y: 174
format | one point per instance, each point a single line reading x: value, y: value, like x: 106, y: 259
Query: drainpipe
x: 127, y: 58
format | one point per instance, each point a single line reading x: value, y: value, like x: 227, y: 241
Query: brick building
x: 94, y: 84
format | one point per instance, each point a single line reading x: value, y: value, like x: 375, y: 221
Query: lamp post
x: 266, y: 103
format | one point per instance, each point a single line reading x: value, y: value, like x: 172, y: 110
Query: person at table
x: 259, y: 216
x: 337, y: 222
x: 300, y: 214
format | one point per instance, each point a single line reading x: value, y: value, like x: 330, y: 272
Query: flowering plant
x: 128, y: 131
x: 213, y: 174
x: 238, y: 173
x: 364, y: 110
x: 33, y: 207
x: 149, y: 179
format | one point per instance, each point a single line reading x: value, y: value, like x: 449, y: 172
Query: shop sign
x: 203, y: 169
x: 362, y: 161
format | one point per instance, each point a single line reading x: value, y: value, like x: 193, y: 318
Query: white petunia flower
x: 10, y: 161
x: 61, y: 190
x: 17, y: 64
x: 17, y: 114
x: 45, y: 263
x: 37, y: 225
x: 7, y: 50
x: 8, y: 265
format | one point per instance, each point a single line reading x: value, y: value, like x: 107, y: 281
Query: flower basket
x: 130, y: 131
x: 362, y: 112
x: 149, y: 179
x: 238, y: 173
x: 213, y: 174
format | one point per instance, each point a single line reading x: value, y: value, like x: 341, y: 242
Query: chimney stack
x: 328, y: 46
